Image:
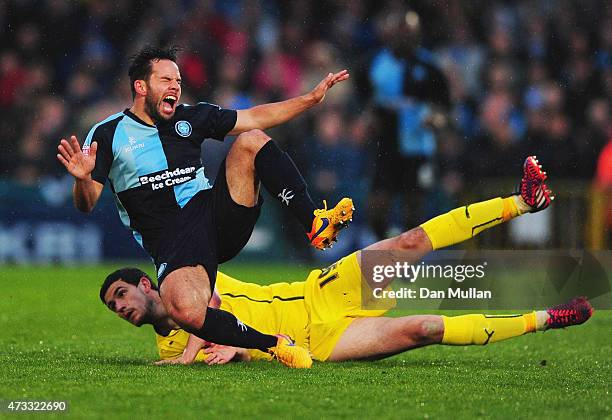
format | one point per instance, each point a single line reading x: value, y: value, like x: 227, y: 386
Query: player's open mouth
x: 168, y: 103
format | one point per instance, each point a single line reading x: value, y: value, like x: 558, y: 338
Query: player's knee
x: 189, y: 312
x: 185, y: 297
x: 429, y: 329
x: 250, y: 142
x: 414, y: 239
x: 189, y: 319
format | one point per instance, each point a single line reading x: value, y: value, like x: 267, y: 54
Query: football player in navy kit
x: 150, y: 154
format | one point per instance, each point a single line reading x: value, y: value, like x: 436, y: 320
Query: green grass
x: 59, y: 343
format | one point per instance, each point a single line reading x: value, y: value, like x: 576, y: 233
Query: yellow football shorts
x: 333, y: 300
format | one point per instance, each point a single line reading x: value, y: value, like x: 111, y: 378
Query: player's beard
x: 151, y: 108
x: 147, y: 316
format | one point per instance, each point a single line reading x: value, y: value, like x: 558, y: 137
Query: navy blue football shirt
x: 154, y: 170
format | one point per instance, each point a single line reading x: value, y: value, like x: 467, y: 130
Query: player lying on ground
x: 324, y: 313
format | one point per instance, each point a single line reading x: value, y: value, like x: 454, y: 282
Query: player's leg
x: 187, y: 260
x: 375, y: 338
x: 240, y: 173
x: 254, y: 155
x: 186, y: 292
x: 468, y: 221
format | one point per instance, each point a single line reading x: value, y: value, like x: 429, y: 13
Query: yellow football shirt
x: 272, y: 309
x: 315, y: 312
x: 172, y: 346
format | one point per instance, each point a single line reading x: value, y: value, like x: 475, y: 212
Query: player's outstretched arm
x: 216, y: 353
x: 269, y: 115
x: 80, y: 163
x: 193, y: 346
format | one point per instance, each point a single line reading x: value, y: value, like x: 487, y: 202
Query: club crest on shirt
x: 183, y: 128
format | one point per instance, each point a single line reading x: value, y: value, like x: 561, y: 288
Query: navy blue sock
x: 283, y: 180
x: 222, y: 327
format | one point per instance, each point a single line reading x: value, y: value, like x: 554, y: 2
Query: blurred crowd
x: 490, y: 82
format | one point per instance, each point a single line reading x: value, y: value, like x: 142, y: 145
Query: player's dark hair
x: 141, y: 63
x: 129, y: 275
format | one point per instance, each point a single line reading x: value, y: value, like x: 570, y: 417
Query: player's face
x: 163, y: 90
x: 129, y: 302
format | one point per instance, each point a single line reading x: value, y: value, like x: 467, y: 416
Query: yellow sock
x: 484, y: 329
x: 466, y: 222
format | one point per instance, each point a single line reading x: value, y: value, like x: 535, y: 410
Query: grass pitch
x: 59, y: 343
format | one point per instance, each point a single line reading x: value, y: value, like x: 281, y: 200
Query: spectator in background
x: 462, y: 59
x: 28, y: 40
x: 38, y: 82
x: 496, y: 149
x: 536, y: 38
x: 12, y: 78
x: 592, y: 138
x: 329, y: 144
x: 38, y: 142
x: 450, y: 173
x: 406, y: 89
x: 340, y: 170
x: 340, y: 143
x: 352, y: 31
x: 279, y: 73
x: 528, y: 76
x: 579, y: 77
x: 82, y: 89
x: 603, y: 54
x: 603, y: 180
x: 231, y: 91
x: 320, y: 55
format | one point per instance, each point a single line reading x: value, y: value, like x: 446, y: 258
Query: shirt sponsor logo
x: 183, y: 128
x: 168, y: 178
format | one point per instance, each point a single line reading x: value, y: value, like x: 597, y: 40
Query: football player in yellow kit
x: 325, y: 313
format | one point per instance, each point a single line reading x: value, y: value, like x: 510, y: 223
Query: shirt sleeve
x: 212, y: 121
x: 104, y: 155
x: 172, y: 346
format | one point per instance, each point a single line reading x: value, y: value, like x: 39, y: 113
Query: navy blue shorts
x: 208, y: 231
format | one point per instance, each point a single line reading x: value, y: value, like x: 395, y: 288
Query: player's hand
x: 177, y: 361
x: 318, y: 93
x: 219, y: 355
x: 79, y: 163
